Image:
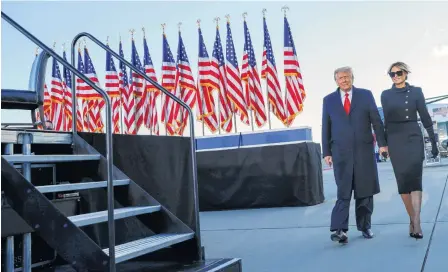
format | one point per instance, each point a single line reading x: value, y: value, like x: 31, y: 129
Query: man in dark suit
x: 347, y: 143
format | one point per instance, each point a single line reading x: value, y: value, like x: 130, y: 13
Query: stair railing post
x: 9, y: 150
x: 26, y: 171
x: 109, y: 156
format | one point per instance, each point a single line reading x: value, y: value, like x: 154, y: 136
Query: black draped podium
x: 263, y: 176
x: 249, y: 177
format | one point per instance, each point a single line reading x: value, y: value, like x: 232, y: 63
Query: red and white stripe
x: 187, y: 88
x: 128, y: 103
x: 275, y: 101
x: 253, y: 91
x: 295, y: 92
x: 112, y: 87
x: 151, y: 115
x: 219, y: 81
x: 235, y: 92
x: 57, y: 101
x: 169, y: 82
x: 206, y: 104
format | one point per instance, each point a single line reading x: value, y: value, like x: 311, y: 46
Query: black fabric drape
x: 266, y: 176
x: 160, y: 165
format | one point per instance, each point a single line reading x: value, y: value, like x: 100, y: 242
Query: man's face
x: 344, y: 81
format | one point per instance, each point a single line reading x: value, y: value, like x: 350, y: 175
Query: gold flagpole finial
x: 54, y: 45
x: 37, y: 50
x: 244, y: 16
x: 285, y: 9
x: 264, y: 12
x: 132, y: 33
x: 163, y: 28
x: 107, y: 40
x: 228, y: 18
x: 63, y: 47
x: 199, y: 23
x: 143, y: 29
x: 217, y: 19
x: 178, y: 25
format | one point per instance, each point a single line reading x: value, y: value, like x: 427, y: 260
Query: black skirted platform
x: 249, y: 177
x: 264, y: 176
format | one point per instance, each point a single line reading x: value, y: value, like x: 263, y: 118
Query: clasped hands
x: 383, y: 150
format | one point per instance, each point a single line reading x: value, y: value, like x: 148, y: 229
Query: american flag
x: 219, y: 74
x: 234, y: 86
x: 127, y: 98
x: 47, y: 104
x: 68, y: 99
x: 82, y: 101
x: 57, y: 98
x: 295, y: 92
x: 254, y: 95
x: 94, y: 112
x: 138, y: 89
x: 206, y: 103
x: 269, y: 72
x: 186, y: 85
x: 151, y: 114
x: 169, y: 71
x: 112, y: 87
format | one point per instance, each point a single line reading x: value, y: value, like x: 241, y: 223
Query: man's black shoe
x: 339, y: 236
x: 368, y: 234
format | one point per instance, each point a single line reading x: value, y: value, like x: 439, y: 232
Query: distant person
x: 401, y: 104
x: 347, y: 144
x: 49, y: 125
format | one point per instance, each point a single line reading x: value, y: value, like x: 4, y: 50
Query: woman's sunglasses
x: 398, y: 73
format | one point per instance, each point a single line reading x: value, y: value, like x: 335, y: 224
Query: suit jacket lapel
x: 338, y: 102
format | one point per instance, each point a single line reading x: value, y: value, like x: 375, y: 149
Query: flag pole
x: 149, y: 97
x: 234, y: 122
x: 166, y: 96
x: 285, y: 9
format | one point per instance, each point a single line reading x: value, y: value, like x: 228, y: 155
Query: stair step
x: 39, y: 137
x: 99, y: 217
x: 49, y: 158
x: 144, y: 246
x: 79, y: 186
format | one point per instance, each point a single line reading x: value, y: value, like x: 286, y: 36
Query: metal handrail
x: 109, y: 158
x: 435, y: 99
x: 172, y: 96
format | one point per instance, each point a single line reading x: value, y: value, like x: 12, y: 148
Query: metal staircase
x: 33, y: 206
x: 64, y: 231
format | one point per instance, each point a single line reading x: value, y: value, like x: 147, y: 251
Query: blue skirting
x: 254, y: 138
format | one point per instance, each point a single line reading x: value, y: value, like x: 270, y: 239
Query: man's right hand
x: 329, y: 160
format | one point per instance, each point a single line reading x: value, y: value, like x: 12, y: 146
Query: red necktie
x: 346, y: 104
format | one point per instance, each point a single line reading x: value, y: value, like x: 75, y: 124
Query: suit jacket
x: 348, y: 139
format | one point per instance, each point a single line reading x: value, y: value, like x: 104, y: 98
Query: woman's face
x: 398, y: 76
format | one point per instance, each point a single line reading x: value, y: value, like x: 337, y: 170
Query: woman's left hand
x: 434, y: 151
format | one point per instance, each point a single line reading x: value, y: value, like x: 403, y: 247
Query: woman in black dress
x: 400, y: 105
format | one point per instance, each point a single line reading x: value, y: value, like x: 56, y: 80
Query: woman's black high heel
x: 418, y: 235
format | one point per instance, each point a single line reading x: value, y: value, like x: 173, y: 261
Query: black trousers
x: 340, y: 214
x: 341, y: 211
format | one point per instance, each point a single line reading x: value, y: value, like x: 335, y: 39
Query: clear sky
x: 368, y: 36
